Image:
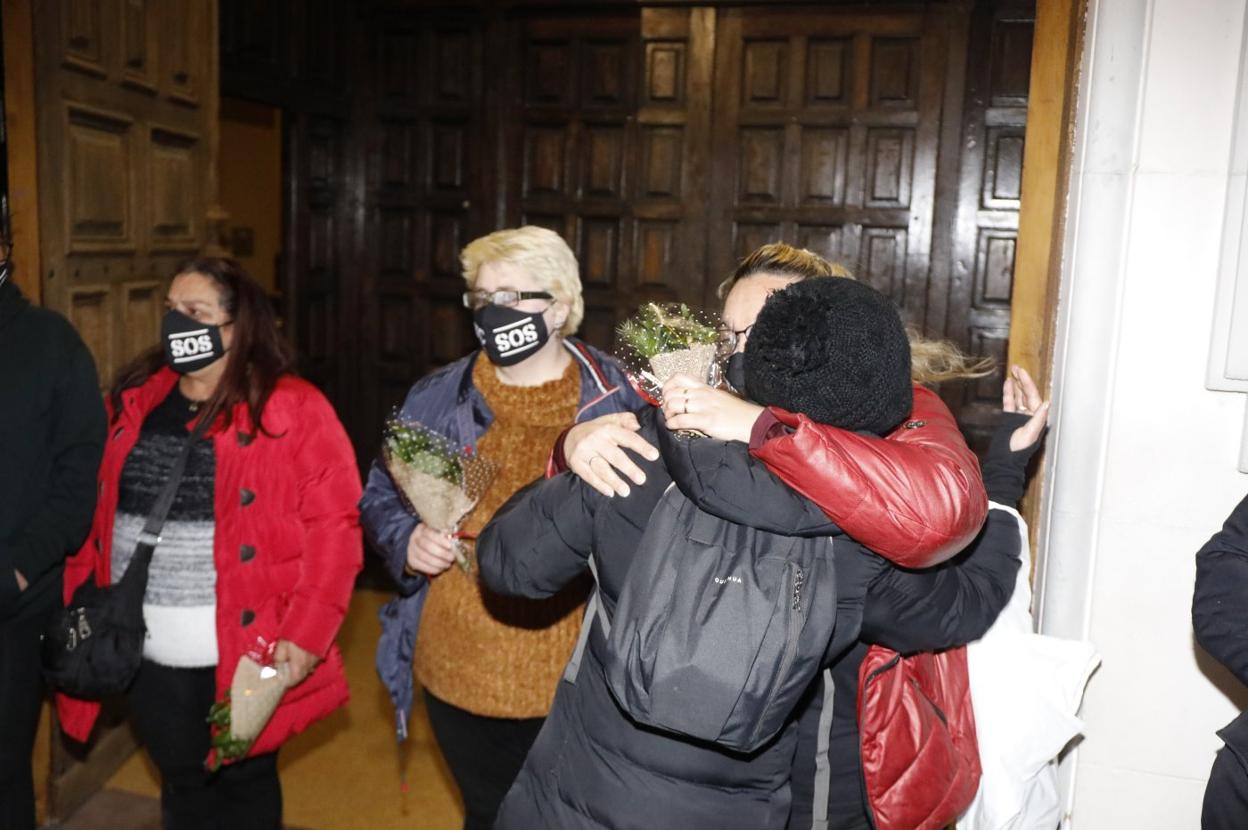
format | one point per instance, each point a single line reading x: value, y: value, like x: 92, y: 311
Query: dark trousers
x: 1226, y: 795
x: 169, y: 708
x: 21, y: 692
x: 485, y: 755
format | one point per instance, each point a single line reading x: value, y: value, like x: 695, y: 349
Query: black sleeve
x: 1220, y: 602
x: 1005, y: 471
x: 951, y: 604
x: 540, y: 539
x: 61, y: 522
x: 722, y: 478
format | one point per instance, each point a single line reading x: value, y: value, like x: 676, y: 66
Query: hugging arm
x: 540, y: 539
x: 723, y: 479
x: 915, y: 497
x: 958, y: 601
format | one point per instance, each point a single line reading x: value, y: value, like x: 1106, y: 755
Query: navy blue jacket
x: 446, y: 402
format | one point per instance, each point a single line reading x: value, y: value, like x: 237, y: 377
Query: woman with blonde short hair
x: 489, y: 664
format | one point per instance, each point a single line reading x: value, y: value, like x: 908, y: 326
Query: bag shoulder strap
x: 149, y: 537
x: 593, y: 608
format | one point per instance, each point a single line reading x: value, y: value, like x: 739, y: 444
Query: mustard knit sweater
x: 486, y: 653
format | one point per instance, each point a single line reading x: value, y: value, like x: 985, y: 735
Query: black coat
x: 1220, y: 616
x: 592, y: 766
x: 52, y: 428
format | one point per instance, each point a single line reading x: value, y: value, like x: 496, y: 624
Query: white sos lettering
x: 191, y: 346
x: 514, y: 339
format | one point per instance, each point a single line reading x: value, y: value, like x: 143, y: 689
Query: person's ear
x: 558, y: 315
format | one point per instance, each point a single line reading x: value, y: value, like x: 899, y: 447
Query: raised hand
x: 1020, y: 394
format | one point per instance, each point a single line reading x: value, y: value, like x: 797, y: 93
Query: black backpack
x: 720, y: 627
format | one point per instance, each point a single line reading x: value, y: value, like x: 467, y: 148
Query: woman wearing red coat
x: 260, y: 549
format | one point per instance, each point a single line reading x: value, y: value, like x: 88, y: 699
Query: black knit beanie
x: 833, y: 349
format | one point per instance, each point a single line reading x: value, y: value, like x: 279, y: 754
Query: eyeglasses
x: 480, y: 299
x: 728, y: 339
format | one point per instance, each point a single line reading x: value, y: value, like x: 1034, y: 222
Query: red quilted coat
x: 917, y: 499
x: 287, y: 543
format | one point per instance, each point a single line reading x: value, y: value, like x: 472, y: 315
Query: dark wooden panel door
x: 127, y: 102
x: 427, y: 193
x: 606, y: 145
x: 827, y: 128
x: 978, y: 218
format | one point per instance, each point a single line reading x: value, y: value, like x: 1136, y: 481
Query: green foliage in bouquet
x: 658, y: 329
x: 227, y: 748
x: 422, y: 451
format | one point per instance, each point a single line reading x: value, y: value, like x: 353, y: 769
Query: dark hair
x: 259, y: 355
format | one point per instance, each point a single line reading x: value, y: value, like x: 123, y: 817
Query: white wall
x: 1142, y: 456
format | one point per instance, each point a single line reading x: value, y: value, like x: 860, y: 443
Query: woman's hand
x: 595, y: 452
x: 1022, y: 395
x: 299, y: 663
x: 690, y: 404
x: 429, y: 552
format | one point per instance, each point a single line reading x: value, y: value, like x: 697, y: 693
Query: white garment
x: 1026, y: 689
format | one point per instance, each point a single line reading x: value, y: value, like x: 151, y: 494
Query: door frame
x: 1056, y: 58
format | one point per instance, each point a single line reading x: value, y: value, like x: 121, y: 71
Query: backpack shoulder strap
x: 593, y: 608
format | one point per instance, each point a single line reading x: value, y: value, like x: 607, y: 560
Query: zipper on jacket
x: 939, y: 712
x: 890, y: 665
x: 791, y: 633
x: 862, y: 777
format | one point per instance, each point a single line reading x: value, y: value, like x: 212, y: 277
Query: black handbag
x: 94, y: 647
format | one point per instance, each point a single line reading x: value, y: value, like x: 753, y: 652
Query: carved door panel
x: 427, y: 193
x: 975, y: 310
x: 126, y: 93
x: 606, y: 145
x: 827, y: 131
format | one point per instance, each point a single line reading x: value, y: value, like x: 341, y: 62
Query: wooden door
x: 427, y: 185
x: 978, y: 205
x: 127, y: 99
x: 889, y: 140
x: 827, y: 128
x: 606, y: 144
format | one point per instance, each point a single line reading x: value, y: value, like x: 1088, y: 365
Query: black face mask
x: 509, y: 335
x: 189, y: 344
x: 734, y: 373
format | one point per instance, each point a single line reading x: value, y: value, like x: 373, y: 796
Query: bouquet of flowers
x: 440, y: 483
x: 662, y: 340
x: 254, y: 694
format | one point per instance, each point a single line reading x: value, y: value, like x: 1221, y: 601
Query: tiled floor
x: 342, y: 774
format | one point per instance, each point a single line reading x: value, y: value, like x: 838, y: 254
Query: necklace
x: 194, y: 406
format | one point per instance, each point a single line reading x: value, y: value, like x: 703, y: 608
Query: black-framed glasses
x: 728, y: 339
x: 480, y: 299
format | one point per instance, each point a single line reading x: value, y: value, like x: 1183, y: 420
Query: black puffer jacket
x: 591, y: 765
x: 1220, y: 615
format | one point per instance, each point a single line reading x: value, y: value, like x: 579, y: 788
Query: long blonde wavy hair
x: 931, y: 361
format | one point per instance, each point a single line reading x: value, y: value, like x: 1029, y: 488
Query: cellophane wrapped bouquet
x: 666, y: 339
x: 440, y: 482
x: 253, y: 697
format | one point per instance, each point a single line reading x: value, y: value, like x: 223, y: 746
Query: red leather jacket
x: 287, y: 543
x: 917, y: 499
